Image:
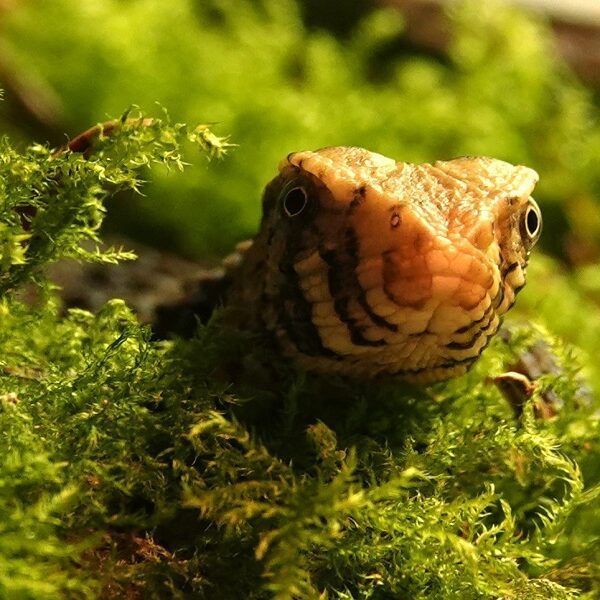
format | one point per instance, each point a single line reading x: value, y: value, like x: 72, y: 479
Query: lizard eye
x: 295, y: 201
x: 531, y: 223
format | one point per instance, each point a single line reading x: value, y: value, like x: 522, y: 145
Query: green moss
x: 132, y: 465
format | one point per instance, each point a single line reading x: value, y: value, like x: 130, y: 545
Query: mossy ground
x: 136, y: 467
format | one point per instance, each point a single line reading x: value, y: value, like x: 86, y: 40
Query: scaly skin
x: 366, y: 266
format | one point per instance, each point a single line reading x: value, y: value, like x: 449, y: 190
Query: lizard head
x: 377, y: 266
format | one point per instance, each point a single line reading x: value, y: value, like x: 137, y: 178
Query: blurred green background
x: 280, y: 75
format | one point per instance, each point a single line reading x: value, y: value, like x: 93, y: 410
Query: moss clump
x: 135, y: 468
x: 130, y: 466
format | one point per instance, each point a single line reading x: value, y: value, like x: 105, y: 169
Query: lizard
x: 365, y: 266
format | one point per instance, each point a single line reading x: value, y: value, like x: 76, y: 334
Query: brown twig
x: 84, y: 142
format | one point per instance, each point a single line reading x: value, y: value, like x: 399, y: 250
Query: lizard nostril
x: 483, y: 235
x: 395, y: 220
